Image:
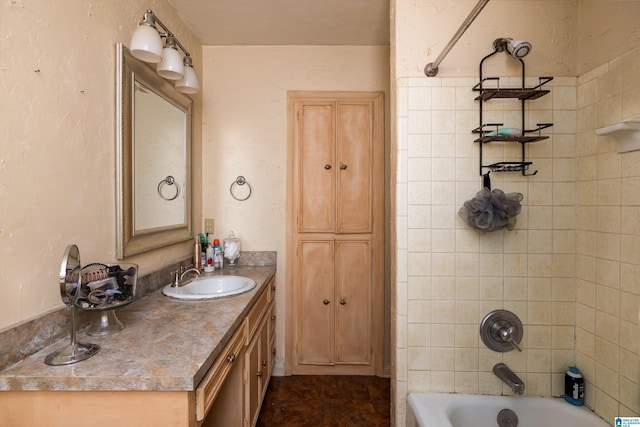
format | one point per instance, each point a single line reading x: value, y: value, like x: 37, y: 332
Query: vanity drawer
x: 211, y: 384
x: 256, y: 313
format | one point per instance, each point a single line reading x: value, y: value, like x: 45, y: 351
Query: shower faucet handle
x: 506, y: 334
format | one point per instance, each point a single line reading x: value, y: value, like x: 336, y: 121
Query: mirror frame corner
x: 129, y: 241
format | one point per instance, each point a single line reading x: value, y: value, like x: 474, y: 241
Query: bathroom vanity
x: 177, y: 363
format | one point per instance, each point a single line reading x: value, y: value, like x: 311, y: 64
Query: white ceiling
x: 287, y: 22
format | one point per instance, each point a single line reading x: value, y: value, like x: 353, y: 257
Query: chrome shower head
x: 516, y: 48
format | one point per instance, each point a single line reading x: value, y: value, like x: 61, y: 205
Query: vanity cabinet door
x: 257, y: 371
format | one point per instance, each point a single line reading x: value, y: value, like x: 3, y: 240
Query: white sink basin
x: 210, y: 287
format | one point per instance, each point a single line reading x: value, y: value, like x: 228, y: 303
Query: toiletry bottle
x: 209, y: 259
x: 217, y: 254
x: 574, y: 387
x: 197, y: 254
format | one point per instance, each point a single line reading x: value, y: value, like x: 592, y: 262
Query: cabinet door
x: 265, y: 369
x: 354, y: 299
x: 315, y: 167
x: 354, y: 164
x: 252, y: 381
x: 315, y: 304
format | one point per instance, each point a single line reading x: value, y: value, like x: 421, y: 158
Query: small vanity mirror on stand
x: 70, y: 279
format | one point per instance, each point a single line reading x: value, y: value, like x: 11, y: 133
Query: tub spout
x: 509, y: 377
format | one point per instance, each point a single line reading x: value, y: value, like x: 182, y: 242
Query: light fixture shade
x: 146, y: 44
x: 189, y: 83
x: 171, y: 67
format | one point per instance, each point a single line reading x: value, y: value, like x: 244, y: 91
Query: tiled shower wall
x: 608, y: 240
x: 448, y: 275
x: 571, y: 267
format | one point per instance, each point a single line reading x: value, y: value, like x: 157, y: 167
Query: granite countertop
x: 166, y: 344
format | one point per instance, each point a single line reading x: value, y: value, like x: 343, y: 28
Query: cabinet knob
x: 343, y: 301
x: 343, y: 167
x: 231, y: 358
x: 273, y: 317
x: 325, y: 302
x: 327, y: 167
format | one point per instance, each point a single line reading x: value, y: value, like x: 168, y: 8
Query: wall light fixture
x: 146, y: 45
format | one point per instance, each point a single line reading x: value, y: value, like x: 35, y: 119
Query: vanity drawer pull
x: 231, y: 358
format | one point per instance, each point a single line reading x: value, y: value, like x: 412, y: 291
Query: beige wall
x: 424, y: 28
x: 607, y: 29
x: 571, y: 263
x: 245, y: 133
x: 57, y: 162
x: 608, y: 240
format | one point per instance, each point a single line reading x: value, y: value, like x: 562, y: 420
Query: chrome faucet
x: 179, y: 277
x: 509, y: 377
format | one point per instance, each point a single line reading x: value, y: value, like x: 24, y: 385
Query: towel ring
x: 240, y: 180
x: 169, y: 180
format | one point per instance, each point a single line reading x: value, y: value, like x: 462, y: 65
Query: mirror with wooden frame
x: 153, y: 159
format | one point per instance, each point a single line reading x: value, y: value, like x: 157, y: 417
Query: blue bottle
x: 574, y: 387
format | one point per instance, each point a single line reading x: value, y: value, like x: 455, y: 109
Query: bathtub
x: 466, y: 410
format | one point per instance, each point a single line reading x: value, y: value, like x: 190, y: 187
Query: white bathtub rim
x: 425, y: 416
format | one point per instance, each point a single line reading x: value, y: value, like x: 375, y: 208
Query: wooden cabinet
x: 235, y: 398
x: 335, y: 166
x: 257, y: 359
x: 335, y: 295
x: 336, y: 231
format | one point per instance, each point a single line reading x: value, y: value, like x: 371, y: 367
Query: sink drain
x: 507, y: 418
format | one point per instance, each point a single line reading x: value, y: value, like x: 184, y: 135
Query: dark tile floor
x: 326, y: 401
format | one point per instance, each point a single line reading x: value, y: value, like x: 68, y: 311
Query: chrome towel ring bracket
x: 235, y: 185
x: 169, y: 180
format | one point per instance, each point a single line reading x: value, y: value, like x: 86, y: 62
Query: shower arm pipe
x: 431, y: 69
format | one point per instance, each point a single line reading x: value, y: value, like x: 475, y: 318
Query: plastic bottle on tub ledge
x: 231, y: 250
x: 574, y: 387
